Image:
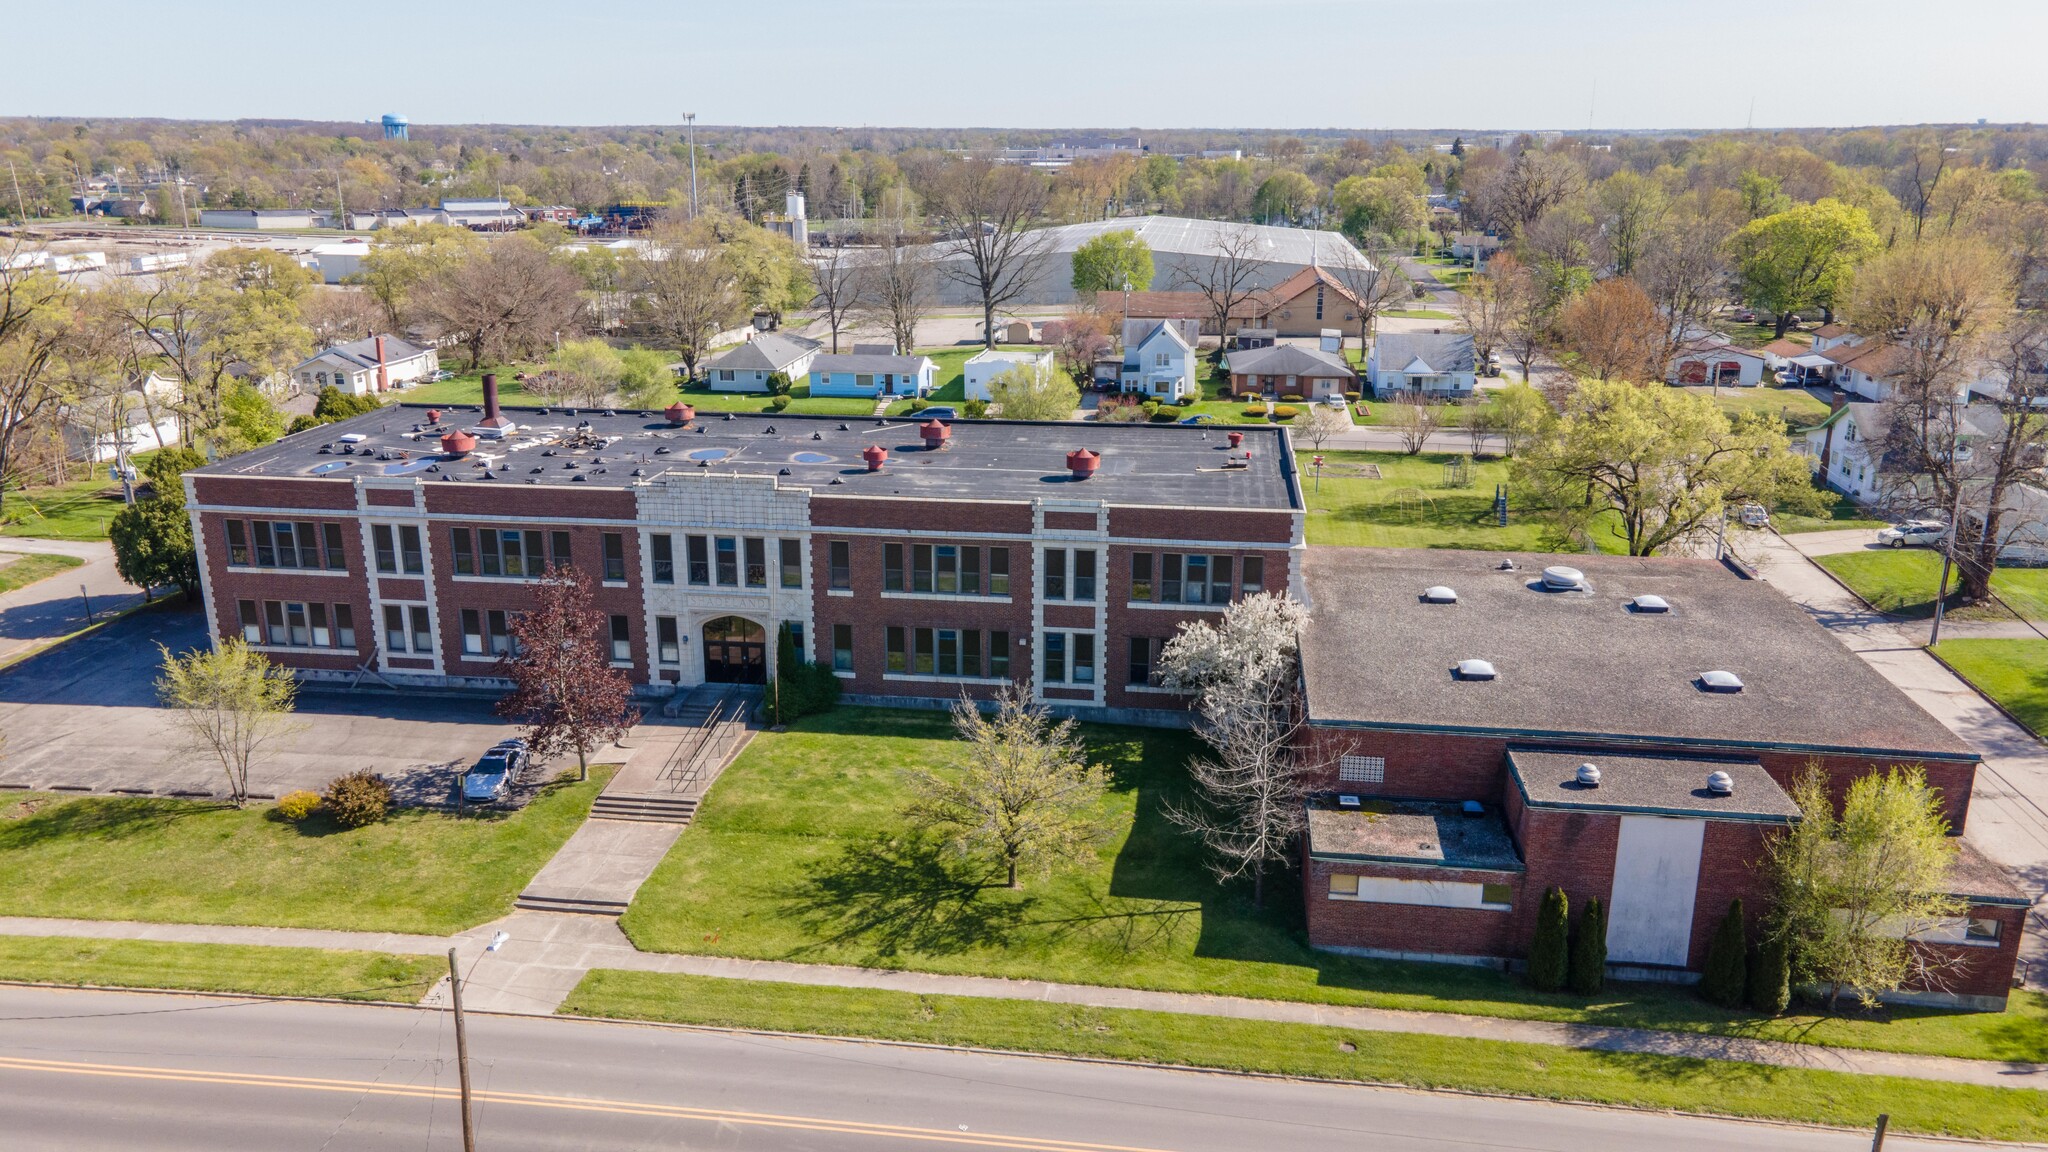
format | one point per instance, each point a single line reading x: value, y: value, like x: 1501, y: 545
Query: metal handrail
x: 687, y: 766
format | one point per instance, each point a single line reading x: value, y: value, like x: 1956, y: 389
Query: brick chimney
x: 383, y: 377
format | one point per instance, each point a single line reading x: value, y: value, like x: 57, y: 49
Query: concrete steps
x: 651, y: 807
x: 574, y: 905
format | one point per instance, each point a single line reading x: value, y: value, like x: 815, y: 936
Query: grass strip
x: 34, y: 567
x: 260, y: 970
x: 2012, y: 672
x: 1320, y: 1052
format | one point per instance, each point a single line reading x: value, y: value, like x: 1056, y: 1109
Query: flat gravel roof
x: 1585, y: 663
x: 1165, y: 465
x: 1411, y: 832
x: 1666, y: 785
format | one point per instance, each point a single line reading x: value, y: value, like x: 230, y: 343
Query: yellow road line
x: 569, y: 1103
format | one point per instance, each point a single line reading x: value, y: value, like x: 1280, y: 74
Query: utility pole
x: 461, y: 1052
x: 1948, y: 546
x: 19, y: 203
x: 690, y: 118
x: 1884, y: 1121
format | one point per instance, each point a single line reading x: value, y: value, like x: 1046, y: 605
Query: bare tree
x: 1616, y: 331
x: 511, y: 301
x: 1414, y: 419
x: 896, y: 287
x: 687, y: 292
x: 1324, y: 423
x: 838, y: 280
x: 35, y: 325
x: 1242, y: 671
x: 1375, y: 286
x: 1229, y: 276
x: 1683, y: 268
x: 1483, y: 306
x: 995, y: 248
x: 1525, y: 320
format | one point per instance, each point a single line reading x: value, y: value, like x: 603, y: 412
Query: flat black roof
x: 1411, y: 832
x: 1662, y: 785
x: 1584, y: 664
x: 1165, y: 465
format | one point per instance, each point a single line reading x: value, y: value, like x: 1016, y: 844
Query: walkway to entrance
x: 735, y: 651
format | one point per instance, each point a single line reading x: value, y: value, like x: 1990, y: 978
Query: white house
x: 1713, y: 360
x: 1435, y: 364
x: 1850, y: 455
x: 989, y: 363
x: 871, y: 374
x: 99, y: 432
x: 367, y: 366
x: 1161, y: 364
x: 748, y: 367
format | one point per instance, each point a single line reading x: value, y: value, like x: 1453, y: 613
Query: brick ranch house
x: 1456, y: 793
x: 968, y: 555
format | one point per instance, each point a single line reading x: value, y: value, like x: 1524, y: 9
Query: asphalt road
x: 89, y: 1070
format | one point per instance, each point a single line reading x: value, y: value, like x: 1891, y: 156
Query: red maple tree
x: 566, y: 694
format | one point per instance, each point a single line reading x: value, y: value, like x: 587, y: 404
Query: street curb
x: 1282, y: 1077
x: 1985, y: 696
x: 248, y: 997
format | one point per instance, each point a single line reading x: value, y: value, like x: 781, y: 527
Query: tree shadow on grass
x: 902, y: 894
x: 100, y: 818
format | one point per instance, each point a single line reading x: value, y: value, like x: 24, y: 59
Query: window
x: 842, y: 647
x: 422, y: 631
x: 1162, y: 359
x: 999, y: 571
x: 507, y: 552
x: 273, y: 618
x: 344, y: 626
x: 409, y: 553
x: 1500, y: 894
x: 664, y: 552
x: 1141, y: 577
x: 559, y: 541
x: 622, y: 640
x: 796, y: 639
x: 892, y: 567
x: 394, y: 628
x: 380, y: 536
x: 970, y: 653
x: 946, y: 569
x: 999, y: 655
x: 1084, y: 575
x: 472, y: 632
x: 1055, y: 580
x: 728, y: 549
x: 615, y: 557
x: 668, y: 648
x: 757, y: 562
x: 1055, y: 657
x: 1187, y: 579
x: 1169, y: 578
x: 1982, y: 928
x: 500, y: 633
x: 840, y: 558
x: 1254, y: 578
x: 1084, y: 657
x: 898, y: 655
x: 459, y: 548
x: 1194, y: 586
x: 1343, y: 885
x: 920, y: 567
x: 238, y: 543
x: 287, y: 551
x: 700, y: 560
x: 970, y: 571
x: 1362, y: 769
x: 252, y: 624
x: 322, y: 637
x: 1141, y: 661
x: 1219, y: 579
x: 792, y: 563
x: 921, y: 657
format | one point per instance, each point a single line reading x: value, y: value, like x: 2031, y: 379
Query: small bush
x: 778, y: 384
x: 1292, y: 398
x: 1285, y: 412
x: 778, y: 403
x: 1589, y: 950
x: 1550, y: 952
x: 1770, y: 976
x: 920, y: 404
x: 357, y: 799
x: 1165, y: 415
x: 297, y: 807
x: 975, y: 409
x: 1255, y: 410
x: 1725, y: 980
x: 1354, y: 397
x: 1151, y: 407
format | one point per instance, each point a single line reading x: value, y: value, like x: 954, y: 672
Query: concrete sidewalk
x: 547, y: 954
x: 53, y: 608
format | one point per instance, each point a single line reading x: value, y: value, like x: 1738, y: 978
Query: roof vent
x: 1476, y: 670
x: 1504, y: 566
x: 1718, y: 681
x: 1082, y: 463
x: 1347, y: 801
x: 1588, y: 775
x: 1721, y: 784
x: 1439, y: 594
x: 1652, y: 604
x: 1563, y: 578
x: 1472, y: 809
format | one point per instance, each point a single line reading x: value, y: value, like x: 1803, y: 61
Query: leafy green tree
x: 1111, y: 260
x: 230, y: 703
x: 772, y: 272
x: 1024, y: 393
x: 152, y: 537
x: 1660, y: 464
x: 1391, y: 205
x: 401, y: 262
x: 1801, y: 257
x: 1589, y: 950
x: 1284, y: 197
x: 1725, y: 978
x: 645, y: 380
x: 1761, y: 195
x: 1550, y: 952
x: 248, y: 420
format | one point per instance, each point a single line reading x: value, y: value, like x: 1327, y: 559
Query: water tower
x: 395, y: 126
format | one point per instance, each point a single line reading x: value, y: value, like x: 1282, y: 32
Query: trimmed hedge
x: 1589, y: 950
x: 1725, y: 980
x: 1550, y: 952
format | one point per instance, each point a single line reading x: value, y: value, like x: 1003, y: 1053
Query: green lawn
x: 1323, y: 1052
x: 799, y: 854
x: 468, y: 388
x: 1843, y: 513
x: 33, y: 567
x: 2012, y: 672
x: 1411, y: 506
x: 1901, y: 581
x: 195, y: 862
x: 1795, y: 406
x: 260, y: 970
x: 1421, y: 313
x: 79, y: 510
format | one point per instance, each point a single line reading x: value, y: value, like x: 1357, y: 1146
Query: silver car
x: 1914, y: 532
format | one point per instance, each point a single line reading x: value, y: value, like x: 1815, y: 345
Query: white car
x: 1912, y: 532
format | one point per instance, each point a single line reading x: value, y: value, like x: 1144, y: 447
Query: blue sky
x: 1040, y: 63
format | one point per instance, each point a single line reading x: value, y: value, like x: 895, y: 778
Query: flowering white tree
x: 1242, y: 670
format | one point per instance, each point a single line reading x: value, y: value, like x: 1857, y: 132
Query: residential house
x: 871, y: 373
x: 1467, y: 245
x: 1161, y: 364
x: 104, y: 429
x: 1255, y: 338
x: 1190, y: 330
x: 748, y: 367
x: 989, y: 363
x: 1310, y: 301
x: 1435, y: 364
x: 1862, y: 367
x: 368, y: 366
x: 1834, y: 336
x: 1853, y: 455
x: 1289, y: 370
x: 1714, y: 360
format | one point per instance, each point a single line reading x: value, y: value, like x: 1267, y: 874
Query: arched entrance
x: 735, y: 651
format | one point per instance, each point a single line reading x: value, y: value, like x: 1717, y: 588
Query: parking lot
x: 84, y: 716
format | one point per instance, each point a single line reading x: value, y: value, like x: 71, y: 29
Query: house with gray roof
x: 1289, y: 370
x: 370, y: 365
x: 748, y: 367
x: 871, y: 374
x: 1434, y: 364
x: 1160, y: 364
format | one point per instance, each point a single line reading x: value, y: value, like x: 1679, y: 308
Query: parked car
x: 937, y: 412
x: 492, y: 774
x: 1198, y: 418
x: 1756, y: 516
x: 1912, y: 532
x: 1334, y: 401
x: 443, y: 374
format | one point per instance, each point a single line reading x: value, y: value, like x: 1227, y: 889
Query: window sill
x: 468, y: 578
x: 309, y: 648
x: 726, y: 589
x: 1151, y: 606
x: 1153, y: 690
x: 933, y: 678
x: 962, y: 597
x: 258, y: 570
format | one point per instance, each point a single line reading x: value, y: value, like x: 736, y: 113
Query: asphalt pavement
x: 91, y: 1070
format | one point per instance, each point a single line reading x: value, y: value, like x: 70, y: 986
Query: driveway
x: 2009, y: 803
x: 84, y: 716
x: 49, y: 609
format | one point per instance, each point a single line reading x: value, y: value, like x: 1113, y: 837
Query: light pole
x: 690, y: 118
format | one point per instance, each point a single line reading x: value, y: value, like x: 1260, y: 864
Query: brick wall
x: 1410, y: 927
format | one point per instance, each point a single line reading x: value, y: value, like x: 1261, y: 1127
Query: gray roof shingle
x: 767, y: 352
x: 1442, y: 351
x: 1289, y: 360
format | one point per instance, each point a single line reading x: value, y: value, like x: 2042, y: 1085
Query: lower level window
x: 1069, y: 658
x: 668, y: 647
x: 842, y: 647
x: 296, y: 624
x: 622, y: 640
x: 407, y: 629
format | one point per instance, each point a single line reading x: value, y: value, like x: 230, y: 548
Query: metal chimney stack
x: 383, y: 377
x: 492, y: 417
